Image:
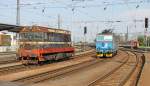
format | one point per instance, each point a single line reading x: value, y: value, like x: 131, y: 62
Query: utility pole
x: 97, y: 29
x: 127, y: 34
x: 16, y: 44
x: 18, y: 13
x: 59, y: 21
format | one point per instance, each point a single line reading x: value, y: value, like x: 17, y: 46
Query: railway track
x: 121, y: 74
x: 12, y: 69
x: 6, y: 58
x: 55, y: 73
x: 117, y: 76
x: 20, y: 67
x: 59, y: 72
x: 7, y: 62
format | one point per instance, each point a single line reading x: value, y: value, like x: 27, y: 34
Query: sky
x: 96, y: 15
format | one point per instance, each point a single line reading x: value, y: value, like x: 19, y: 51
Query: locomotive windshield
x: 104, y: 38
x: 32, y: 36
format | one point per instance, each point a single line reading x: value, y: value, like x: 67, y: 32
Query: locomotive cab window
x: 32, y: 36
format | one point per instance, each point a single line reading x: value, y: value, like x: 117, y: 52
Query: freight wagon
x: 106, y: 45
x: 39, y: 44
x: 130, y: 44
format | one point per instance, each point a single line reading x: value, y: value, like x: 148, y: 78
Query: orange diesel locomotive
x: 38, y: 44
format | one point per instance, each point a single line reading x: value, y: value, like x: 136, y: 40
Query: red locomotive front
x: 38, y: 44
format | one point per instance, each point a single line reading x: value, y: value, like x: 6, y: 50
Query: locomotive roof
x: 43, y: 29
x: 17, y: 29
x: 105, y: 34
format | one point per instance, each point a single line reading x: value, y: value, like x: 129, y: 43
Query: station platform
x: 145, y: 76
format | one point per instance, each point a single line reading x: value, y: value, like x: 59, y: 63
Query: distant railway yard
x: 84, y: 69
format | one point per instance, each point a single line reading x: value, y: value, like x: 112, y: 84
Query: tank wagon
x: 106, y: 45
x: 39, y: 44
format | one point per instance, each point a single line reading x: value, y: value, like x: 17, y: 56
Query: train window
x: 32, y: 36
x: 45, y: 36
x: 49, y: 36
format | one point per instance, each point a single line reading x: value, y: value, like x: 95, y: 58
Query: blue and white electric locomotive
x: 106, y: 45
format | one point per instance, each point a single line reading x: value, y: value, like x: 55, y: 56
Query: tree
x: 141, y: 40
x: 148, y: 41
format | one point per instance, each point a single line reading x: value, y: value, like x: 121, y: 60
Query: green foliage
x: 141, y: 40
x: 148, y: 39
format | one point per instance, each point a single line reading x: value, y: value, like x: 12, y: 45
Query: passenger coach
x: 38, y: 44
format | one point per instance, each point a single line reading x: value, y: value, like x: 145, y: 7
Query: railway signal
x: 146, y: 22
x: 85, y: 30
x: 146, y: 26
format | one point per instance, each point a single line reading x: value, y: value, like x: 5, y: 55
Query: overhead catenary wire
x: 38, y: 5
x: 75, y: 7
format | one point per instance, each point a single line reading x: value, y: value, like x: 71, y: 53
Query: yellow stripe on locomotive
x: 109, y: 55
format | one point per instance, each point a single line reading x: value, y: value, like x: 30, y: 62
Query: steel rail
x: 100, y: 79
x: 8, y: 61
x: 55, y: 73
x: 93, y: 83
x: 21, y: 67
x: 59, y: 72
